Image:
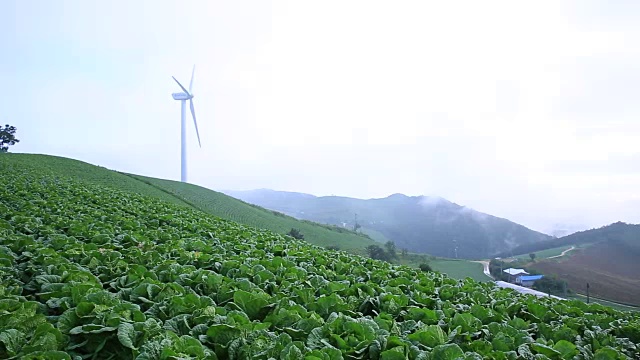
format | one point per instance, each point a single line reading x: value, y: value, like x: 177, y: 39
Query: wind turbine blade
x: 191, y: 83
x: 182, y: 87
x: 193, y: 113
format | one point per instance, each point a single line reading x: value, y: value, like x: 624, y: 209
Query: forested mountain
x: 418, y: 223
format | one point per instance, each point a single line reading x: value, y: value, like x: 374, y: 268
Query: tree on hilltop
x: 377, y: 252
x: 425, y: 267
x: 390, y: 247
x: 7, y: 137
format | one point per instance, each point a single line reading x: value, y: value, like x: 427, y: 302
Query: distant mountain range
x: 423, y: 224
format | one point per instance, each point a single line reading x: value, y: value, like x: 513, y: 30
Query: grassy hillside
x: 420, y: 224
x: 226, y: 207
x: 193, y: 196
x: 88, y: 271
x: 375, y: 235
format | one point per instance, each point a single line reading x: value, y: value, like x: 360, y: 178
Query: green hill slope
x: 193, y: 196
x: 92, y: 272
x: 420, y: 224
x: 227, y: 207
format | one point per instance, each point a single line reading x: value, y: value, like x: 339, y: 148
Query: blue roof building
x: 528, y: 280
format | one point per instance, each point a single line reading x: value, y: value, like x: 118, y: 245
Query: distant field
x: 458, y: 269
x: 544, y: 253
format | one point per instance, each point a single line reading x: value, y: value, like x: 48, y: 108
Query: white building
x: 514, y: 274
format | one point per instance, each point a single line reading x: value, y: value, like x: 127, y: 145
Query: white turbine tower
x: 183, y: 97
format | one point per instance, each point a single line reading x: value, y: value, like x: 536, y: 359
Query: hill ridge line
x: 163, y: 190
x: 196, y: 207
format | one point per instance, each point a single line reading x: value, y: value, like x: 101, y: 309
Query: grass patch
x: 455, y: 268
x: 615, y: 305
x: 460, y: 269
x: 375, y: 235
x: 543, y: 254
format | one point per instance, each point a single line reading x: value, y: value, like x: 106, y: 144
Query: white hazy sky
x: 524, y: 110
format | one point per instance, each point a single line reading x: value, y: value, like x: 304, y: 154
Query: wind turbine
x: 183, y: 97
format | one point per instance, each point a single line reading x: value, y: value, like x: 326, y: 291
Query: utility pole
x: 587, y: 293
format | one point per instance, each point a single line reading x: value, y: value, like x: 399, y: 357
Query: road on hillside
x: 485, y: 264
x: 525, y: 290
x: 562, y: 254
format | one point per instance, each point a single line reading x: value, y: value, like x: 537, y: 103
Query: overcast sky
x: 524, y: 110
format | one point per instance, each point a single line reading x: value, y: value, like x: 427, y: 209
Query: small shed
x: 529, y: 280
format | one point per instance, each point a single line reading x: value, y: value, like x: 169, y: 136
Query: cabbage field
x: 89, y: 272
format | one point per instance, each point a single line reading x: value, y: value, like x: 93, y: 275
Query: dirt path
x: 563, y: 253
x: 485, y: 264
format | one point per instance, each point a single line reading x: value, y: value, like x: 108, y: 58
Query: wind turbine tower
x: 183, y: 97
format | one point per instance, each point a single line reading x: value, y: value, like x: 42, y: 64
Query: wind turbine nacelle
x: 181, y: 96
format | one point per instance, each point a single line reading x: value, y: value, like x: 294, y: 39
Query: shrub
x: 295, y: 233
x: 425, y: 267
